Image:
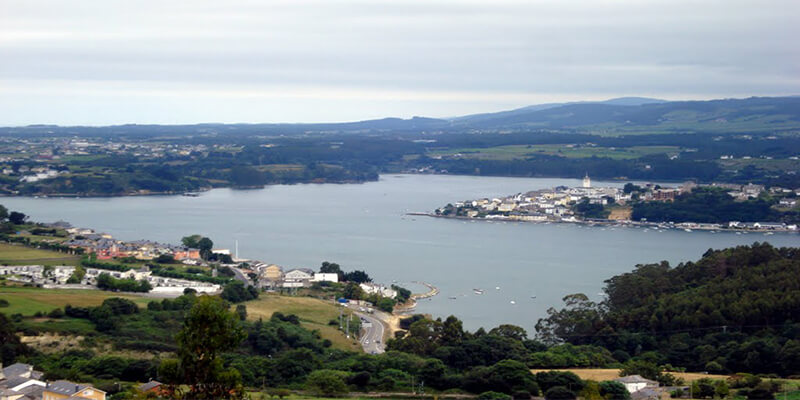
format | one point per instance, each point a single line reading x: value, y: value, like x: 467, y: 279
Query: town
x: 618, y: 206
x: 202, y: 271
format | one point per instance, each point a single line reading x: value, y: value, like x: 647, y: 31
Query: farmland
x: 314, y: 314
x: 11, y: 254
x: 28, y: 301
x: 511, y: 152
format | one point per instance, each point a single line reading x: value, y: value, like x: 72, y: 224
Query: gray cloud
x: 100, y: 62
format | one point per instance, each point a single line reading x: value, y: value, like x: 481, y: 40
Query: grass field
x: 512, y: 152
x: 313, y: 314
x: 607, y: 374
x: 28, y: 301
x: 17, y: 255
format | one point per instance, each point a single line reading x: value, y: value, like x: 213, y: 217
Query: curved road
x: 372, y: 339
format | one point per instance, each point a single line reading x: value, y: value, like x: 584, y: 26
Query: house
x: 19, y: 370
x: 299, y: 277
x: 374, y: 288
x: 19, y: 383
x: 649, y: 393
x: 154, y: 387
x: 272, y: 272
x: 69, y: 390
x: 787, y: 202
x: 8, y: 394
x: 635, y: 383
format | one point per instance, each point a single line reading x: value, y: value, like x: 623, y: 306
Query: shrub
x: 521, y: 395
x: 56, y: 313
x: 493, y: 396
x: 559, y: 393
x: 326, y: 382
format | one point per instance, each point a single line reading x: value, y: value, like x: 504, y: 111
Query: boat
x: 191, y: 194
x: 497, y: 288
x: 513, y: 302
x: 687, y: 230
x: 452, y: 297
x: 533, y: 297
x: 477, y: 291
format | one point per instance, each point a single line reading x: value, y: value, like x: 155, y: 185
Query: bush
x: 612, y: 390
x: 493, y: 396
x: 521, y: 395
x: 559, y: 393
x: 3, y: 303
x: 326, y: 382
x: 56, y: 313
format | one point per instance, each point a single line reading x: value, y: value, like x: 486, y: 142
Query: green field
x: 12, y: 254
x: 29, y: 301
x: 313, y: 314
x: 512, y: 152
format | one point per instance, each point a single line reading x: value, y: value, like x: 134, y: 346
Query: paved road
x: 241, y: 276
x: 372, y: 339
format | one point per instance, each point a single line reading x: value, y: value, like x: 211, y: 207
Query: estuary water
x: 523, y: 268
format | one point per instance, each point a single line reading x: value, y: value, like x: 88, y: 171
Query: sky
x: 101, y: 62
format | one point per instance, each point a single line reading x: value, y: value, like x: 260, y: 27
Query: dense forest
x: 733, y: 310
x: 710, y: 205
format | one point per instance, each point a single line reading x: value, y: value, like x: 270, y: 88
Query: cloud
x: 334, y: 60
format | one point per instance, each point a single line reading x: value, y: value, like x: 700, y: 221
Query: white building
x: 635, y: 383
x: 374, y: 288
x: 299, y: 277
x: 322, y: 277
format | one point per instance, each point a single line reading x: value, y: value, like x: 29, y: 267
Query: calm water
x: 364, y: 227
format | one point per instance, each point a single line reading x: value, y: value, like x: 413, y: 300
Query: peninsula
x: 690, y: 206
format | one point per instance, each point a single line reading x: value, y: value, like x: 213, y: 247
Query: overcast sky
x: 110, y: 62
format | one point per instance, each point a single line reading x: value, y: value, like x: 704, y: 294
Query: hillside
x: 733, y: 310
x: 625, y: 115
x: 755, y: 114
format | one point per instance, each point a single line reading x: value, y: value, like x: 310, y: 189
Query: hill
x: 755, y: 114
x: 625, y: 115
x: 733, y: 310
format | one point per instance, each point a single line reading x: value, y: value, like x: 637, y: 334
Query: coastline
x: 616, y: 223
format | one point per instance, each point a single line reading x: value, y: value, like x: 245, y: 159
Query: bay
x: 364, y: 226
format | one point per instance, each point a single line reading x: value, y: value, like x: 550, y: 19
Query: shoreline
x: 691, y: 226
x: 411, y: 304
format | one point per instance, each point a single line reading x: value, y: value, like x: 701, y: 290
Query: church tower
x: 587, y: 183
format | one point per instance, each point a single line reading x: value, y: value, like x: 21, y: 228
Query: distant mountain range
x: 625, y: 115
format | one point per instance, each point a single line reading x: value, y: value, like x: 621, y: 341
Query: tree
x: 591, y: 391
x: 703, y: 388
x: 646, y: 369
x: 10, y: 344
x: 559, y: 393
x: 612, y: 390
x: 165, y: 259
x: 510, y: 331
x: 241, y: 311
x: 191, y: 240
x: 326, y: 382
x: 17, y: 218
x: 209, y: 329
x: 721, y: 389
x: 3, y: 213
x: 353, y: 291
x: 357, y: 276
x: 490, y: 395
x: 205, y: 245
